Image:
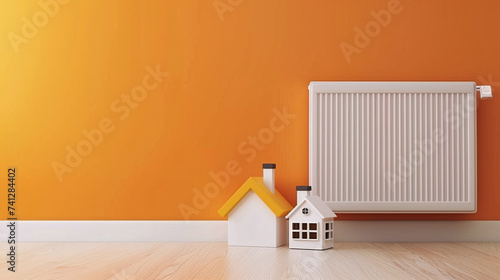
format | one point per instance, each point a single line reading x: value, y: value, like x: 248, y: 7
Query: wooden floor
x: 216, y: 261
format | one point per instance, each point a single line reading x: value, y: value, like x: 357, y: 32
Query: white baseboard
x: 132, y: 231
x: 216, y: 231
x: 417, y: 231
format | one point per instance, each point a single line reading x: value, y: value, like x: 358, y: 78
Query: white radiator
x: 393, y: 146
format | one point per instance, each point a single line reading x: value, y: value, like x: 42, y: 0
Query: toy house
x: 310, y: 222
x: 256, y: 212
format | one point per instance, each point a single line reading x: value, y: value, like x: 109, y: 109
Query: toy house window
x: 328, y: 230
x: 305, y: 211
x: 305, y: 231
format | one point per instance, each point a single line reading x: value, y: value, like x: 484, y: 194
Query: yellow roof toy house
x: 256, y: 212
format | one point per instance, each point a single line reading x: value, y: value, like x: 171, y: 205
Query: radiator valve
x: 484, y: 91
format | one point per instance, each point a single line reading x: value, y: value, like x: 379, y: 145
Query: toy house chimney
x: 302, y: 191
x: 268, y: 177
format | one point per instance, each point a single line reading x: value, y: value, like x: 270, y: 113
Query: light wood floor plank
x: 121, y: 260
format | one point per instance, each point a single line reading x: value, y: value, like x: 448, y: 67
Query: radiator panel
x: 393, y: 146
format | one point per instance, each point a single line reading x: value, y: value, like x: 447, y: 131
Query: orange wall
x: 225, y: 79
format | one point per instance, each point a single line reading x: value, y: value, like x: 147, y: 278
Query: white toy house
x: 310, y: 222
x: 256, y: 212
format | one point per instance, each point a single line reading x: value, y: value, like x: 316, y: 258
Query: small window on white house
x: 305, y: 211
x: 328, y: 230
x: 305, y: 231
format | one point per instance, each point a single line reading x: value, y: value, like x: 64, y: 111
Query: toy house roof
x: 318, y: 204
x: 276, y: 202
